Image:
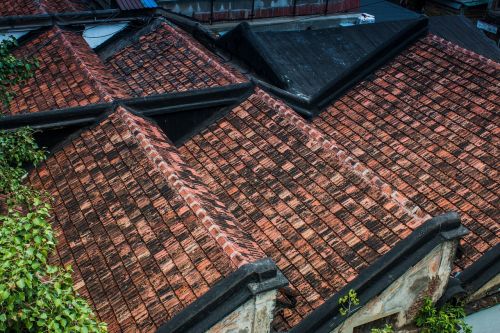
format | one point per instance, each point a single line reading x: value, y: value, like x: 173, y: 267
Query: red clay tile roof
x: 34, y: 7
x: 299, y: 197
x: 323, y: 199
x: 168, y: 60
x: 327, y: 198
x: 70, y: 74
x: 143, y: 234
x: 427, y: 123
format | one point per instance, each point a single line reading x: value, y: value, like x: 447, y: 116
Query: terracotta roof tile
x: 327, y: 198
x: 427, y: 124
x: 168, y: 60
x: 320, y: 219
x: 135, y: 222
x: 70, y: 75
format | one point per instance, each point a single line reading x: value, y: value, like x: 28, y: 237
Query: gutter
x: 225, y: 297
x: 383, y: 272
x: 148, y: 106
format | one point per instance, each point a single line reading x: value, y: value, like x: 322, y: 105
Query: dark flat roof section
x: 387, y: 269
x: 461, y: 31
x: 310, y: 68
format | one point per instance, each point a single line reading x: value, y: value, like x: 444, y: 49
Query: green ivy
x: 448, y: 319
x: 12, y: 70
x: 34, y: 295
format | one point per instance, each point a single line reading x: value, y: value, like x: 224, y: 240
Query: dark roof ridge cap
x: 319, y: 139
x: 481, y: 271
x: 385, y: 270
x: 226, y: 296
x: 105, y: 95
x: 457, y: 48
x: 201, y: 53
x: 229, y: 248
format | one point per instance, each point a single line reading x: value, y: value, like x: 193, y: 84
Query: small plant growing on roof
x: 347, y: 302
x: 448, y: 319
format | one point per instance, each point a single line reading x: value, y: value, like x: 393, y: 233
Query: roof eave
x: 226, y: 296
x: 387, y: 269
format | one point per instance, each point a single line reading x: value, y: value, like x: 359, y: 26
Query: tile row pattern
x: 427, y: 123
x: 167, y: 60
x: 70, y: 75
x: 127, y: 219
x: 316, y: 215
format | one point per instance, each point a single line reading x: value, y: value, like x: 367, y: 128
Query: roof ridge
x: 319, y: 140
x: 202, y: 54
x: 457, y: 48
x: 237, y: 255
x: 108, y: 97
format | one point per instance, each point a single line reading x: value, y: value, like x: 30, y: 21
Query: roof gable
x: 309, y: 206
x: 311, y: 66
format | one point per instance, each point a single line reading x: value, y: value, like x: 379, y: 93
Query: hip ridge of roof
x: 218, y: 221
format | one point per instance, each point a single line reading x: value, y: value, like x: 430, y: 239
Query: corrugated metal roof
x: 136, y: 4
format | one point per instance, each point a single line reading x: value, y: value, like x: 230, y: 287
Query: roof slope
x: 167, y: 60
x: 325, y: 199
x: 308, y: 205
x: 460, y: 30
x: 144, y: 236
x: 70, y: 74
x: 427, y: 123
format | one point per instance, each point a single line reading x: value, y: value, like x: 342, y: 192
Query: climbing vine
x: 35, y: 296
x: 13, y: 70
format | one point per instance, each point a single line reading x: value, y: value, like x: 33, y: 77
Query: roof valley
x: 240, y: 251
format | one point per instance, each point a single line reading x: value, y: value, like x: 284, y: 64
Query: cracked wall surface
x: 254, y: 316
x: 404, y: 296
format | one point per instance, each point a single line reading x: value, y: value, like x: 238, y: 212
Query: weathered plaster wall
x: 254, y: 316
x: 403, y: 297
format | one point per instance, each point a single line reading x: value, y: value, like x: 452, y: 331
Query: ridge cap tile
x: 240, y: 251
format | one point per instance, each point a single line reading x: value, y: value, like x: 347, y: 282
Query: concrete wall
x: 404, y: 296
x: 254, y: 316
